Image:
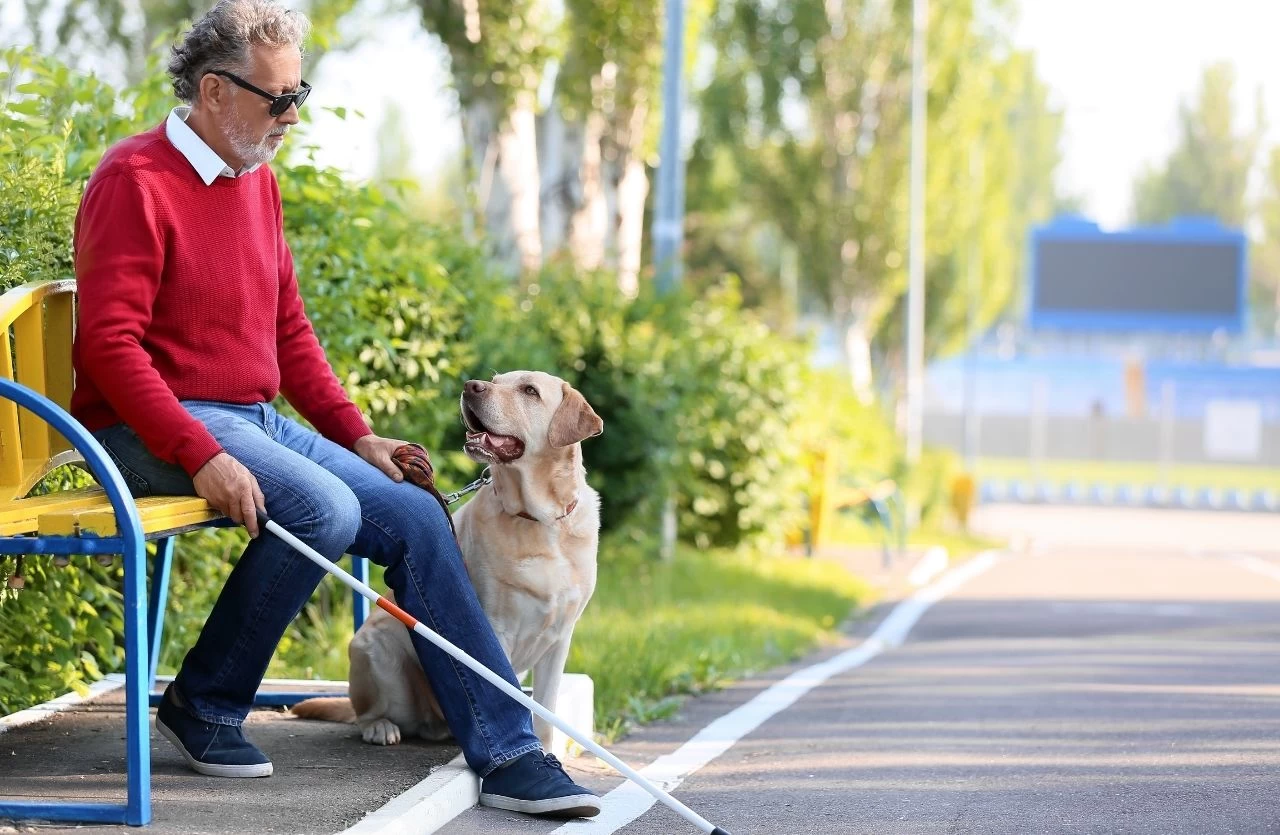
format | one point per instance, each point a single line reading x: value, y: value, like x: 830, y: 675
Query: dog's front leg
x: 546, y: 686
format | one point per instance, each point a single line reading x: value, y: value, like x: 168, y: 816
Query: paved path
x: 1119, y: 674
x: 326, y: 779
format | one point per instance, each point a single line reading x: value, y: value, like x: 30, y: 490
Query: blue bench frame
x: 142, y: 644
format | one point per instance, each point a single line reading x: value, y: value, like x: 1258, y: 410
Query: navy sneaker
x: 209, y: 748
x: 536, y: 784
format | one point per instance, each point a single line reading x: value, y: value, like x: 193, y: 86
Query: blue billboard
x: 1189, y: 276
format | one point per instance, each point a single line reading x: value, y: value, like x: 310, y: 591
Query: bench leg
x: 137, y: 717
x: 156, y: 606
x: 360, y: 604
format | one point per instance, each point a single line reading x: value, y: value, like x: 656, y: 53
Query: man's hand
x: 377, y: 451
x: 225, y: 483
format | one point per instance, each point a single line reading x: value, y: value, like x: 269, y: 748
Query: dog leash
x: 485, y: 478
x: 413, y: 461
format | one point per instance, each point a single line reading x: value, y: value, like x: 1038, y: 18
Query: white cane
x: 488, y: 675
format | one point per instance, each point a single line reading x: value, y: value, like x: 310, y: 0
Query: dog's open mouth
x: 486, y: 445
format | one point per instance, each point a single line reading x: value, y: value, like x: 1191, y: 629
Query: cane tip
x: 718, y: 831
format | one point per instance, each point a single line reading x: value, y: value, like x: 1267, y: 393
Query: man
x: 190, y: 324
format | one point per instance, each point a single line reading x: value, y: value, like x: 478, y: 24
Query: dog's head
x: 524, y: 413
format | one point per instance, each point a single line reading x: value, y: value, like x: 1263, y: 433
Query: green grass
x: 657, y: 632
x: 1135, y: 473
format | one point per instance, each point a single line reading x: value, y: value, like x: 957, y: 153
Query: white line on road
x: 933, y: 563
x: 628, y: 801
x: 1257, y: 565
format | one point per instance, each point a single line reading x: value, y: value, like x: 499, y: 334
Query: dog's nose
x: 476, y: 387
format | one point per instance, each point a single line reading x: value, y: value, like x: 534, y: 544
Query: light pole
x: 973, y: 281
x: 915, y: 251
x: 668, y: 221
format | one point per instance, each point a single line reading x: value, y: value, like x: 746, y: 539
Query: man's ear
x: 574, y: 421
x: 215, y: 92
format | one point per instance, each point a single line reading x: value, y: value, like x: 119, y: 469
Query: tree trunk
x: 633, y: 189
x: 479, y: 160
x: 594, y: 190
x: 561, y: 147
x: 518, y: 165
x: 589, y: 226
x: 857, y: 349
x: 574, y: 212
x: 626, y: 188
x: 504, y: 168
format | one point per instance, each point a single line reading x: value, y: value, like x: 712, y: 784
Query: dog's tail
x: 334, y: 709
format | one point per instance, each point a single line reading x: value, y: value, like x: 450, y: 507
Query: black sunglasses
x: 279, y: 104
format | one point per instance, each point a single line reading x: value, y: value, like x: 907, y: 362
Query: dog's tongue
x: 505, y: 443
x: 497, y: 443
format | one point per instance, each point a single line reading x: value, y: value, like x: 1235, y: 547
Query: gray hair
x: 221, y: 39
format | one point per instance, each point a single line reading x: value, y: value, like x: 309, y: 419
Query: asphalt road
x: 1118, y: 672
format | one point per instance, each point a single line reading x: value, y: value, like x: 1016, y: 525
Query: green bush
x: 696, y: 395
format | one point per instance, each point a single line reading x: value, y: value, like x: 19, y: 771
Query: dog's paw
x: 382, y: 732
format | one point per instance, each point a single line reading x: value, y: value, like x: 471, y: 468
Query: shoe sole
x: 569, y: 806
x: 211, y: 769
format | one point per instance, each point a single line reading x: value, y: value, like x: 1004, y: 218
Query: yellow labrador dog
x: 529, y: 542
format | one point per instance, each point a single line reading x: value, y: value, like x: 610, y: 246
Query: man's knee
x: 325, y: 515
x: 340, y: 523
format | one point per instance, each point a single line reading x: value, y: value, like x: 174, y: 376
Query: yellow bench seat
x: 87, y: 512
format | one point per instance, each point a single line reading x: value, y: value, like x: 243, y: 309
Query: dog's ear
x: 574, y: 421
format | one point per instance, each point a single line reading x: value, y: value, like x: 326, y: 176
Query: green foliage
x: 1207, y: 173
x: 382, y: 290
x: 741, y: 393
x: 798, y: 179
x: 695, y: 393
x: 497, y: 53
x: 1264, y: 255
x: 61, y: 632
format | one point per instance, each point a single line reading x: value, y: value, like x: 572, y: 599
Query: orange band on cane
x: 397, y: 613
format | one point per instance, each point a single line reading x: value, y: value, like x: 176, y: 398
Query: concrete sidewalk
x: 326, y: 779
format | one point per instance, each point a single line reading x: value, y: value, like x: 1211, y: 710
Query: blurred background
x: 478, y: 187
x: 535, y: 128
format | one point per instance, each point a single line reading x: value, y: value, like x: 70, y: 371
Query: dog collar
x: 572, y: 507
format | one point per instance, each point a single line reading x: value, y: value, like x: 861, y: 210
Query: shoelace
x: 550, y: 761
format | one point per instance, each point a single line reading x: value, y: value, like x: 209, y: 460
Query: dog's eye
x: 532, y: 391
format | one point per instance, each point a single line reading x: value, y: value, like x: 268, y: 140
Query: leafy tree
x: 1264, y: 254
x: 1208, y: 171
x: 805, y: 136
x: 568, y: 172
x: 128, y: 33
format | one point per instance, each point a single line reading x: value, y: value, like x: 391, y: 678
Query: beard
x: 252, y: 147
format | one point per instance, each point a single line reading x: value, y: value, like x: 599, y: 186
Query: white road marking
x: 628, y: 801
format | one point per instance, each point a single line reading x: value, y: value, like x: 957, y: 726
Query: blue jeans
x: 334, y: 501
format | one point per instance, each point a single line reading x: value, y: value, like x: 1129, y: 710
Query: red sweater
x: 188, y: 292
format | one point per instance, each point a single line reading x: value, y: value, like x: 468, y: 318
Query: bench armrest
x: 96, y: 458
